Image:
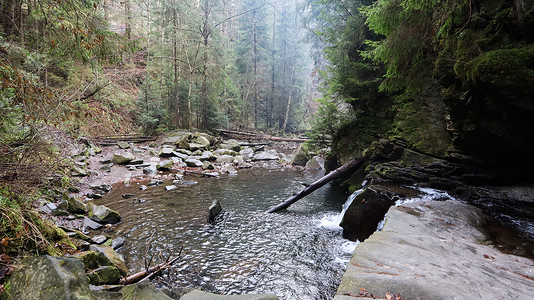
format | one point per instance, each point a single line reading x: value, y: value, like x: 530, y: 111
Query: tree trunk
x: 255, y: 47
x: 175, y: 53
x: 288, y: 106
x: 128, y: 24
x: 317, y: 184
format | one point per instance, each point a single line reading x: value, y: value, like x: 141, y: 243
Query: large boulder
x: 143, y: 290
x: 165, y: 165
x: 76, y: 206
x: 48, y: 277
x: 365, y: 212
x: 201, y: 140
x: 247, y: 153
x: 436, y: 250
x: 122, y: 158
x: 225, y: 159
x: 108, y: 257
x: 299, y: 157
x: 103, y: 214
x: 104, y: 275
x: 166, y: 152
x: 193, y: 162
x: 214, y: 210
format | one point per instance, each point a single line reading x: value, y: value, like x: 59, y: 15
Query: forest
x: 438, y: 92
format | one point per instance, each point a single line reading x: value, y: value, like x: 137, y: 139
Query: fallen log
x: 257, y: 136
x: 317, y: 184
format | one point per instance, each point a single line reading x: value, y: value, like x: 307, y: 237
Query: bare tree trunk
x: 288, y: 106
x: 175, y: 53
x: 128, y: 24
x: 255, y: 44
x: 317, y: 184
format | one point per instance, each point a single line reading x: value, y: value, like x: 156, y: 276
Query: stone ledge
x: 435, y: 250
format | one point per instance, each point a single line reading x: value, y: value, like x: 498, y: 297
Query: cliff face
x: 472, y: 123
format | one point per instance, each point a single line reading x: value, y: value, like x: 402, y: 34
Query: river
x: 296, y: 254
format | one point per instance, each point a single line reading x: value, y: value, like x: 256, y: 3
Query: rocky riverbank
x: 435, y: 250
x: 171, y: 158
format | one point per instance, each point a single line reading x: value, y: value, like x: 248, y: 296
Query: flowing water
x: 296, y: 254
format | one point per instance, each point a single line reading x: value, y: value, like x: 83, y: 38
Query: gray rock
x: 137, y: 162
x: 88, y: 223
x: 313, y: 164
x: 122, y: 158
x: 266, y: 155
x: 127, y: 196
x: 154, y: 182
x: 207, y: 155
x: 231, y: 170
x: 203, y: 141
x: 78, y: 171
x: 143, y: 187
x: 150, y: 170
x: 48, y: 277
x: 164, y: 165
x: 103, y: 214
x: 220, y: 152
x: 105, y: 169
x: 247, y: 154
x: 170, y: 187
x: 143, y: 290
x: 192, y: 162
x: 89, y: 258
x: 194, y: 146
x: 238, y: 160
x: 208, y: 166
x: 51, y: 206
x: 214, y: 210
x: 225, y: 159
x: 99, y: 239
x: 118, y: 242
x: 110, y: 257
x: 166, y: 152
x: 184, y: 151
x: 186, y: 182
x: 94, y: 195
x: 434, y: 250
x: 104, y: 275
x: 123, y: 145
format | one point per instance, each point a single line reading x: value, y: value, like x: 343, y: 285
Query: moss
x: 504, y: 69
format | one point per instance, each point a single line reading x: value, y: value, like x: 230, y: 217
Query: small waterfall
x: 332, y: 221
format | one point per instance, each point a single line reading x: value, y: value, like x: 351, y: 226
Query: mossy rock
x: 104, y: 275
x: 509, y: 71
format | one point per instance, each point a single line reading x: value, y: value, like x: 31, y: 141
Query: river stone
x: 365, y: 212
x: 164, y: 165
x: 48, y: 277
x: 99, y: 239
x: 123, y: 145
x: 247, y: 153
x: 225, y: 159
x: 78, y: 171
x: 122, y: 158
x: 193, y: 162
x: 436, y: 250
x: 103, y: 214
x: 220, y: 152
x: 207, y: 155
x: 214, y: 210
x: 170, y: 187
x: 166, y: 152
x: 150, y: 170
x: 108, y: 256
x: 313, y: 164
x: 194, y: 147
x: 266, y: 155
x: 76, y: 206
x: 89, y: 258
x: 201, y: 140
x: 104, y: 275
x: 143, y: 290
x: 118, y: 242
x: 200, y: 295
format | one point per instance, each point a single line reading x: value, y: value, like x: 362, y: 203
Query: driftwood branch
x: 317, y: 184
x: 152, y: 271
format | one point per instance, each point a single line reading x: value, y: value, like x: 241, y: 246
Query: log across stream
x: 289, y: 253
